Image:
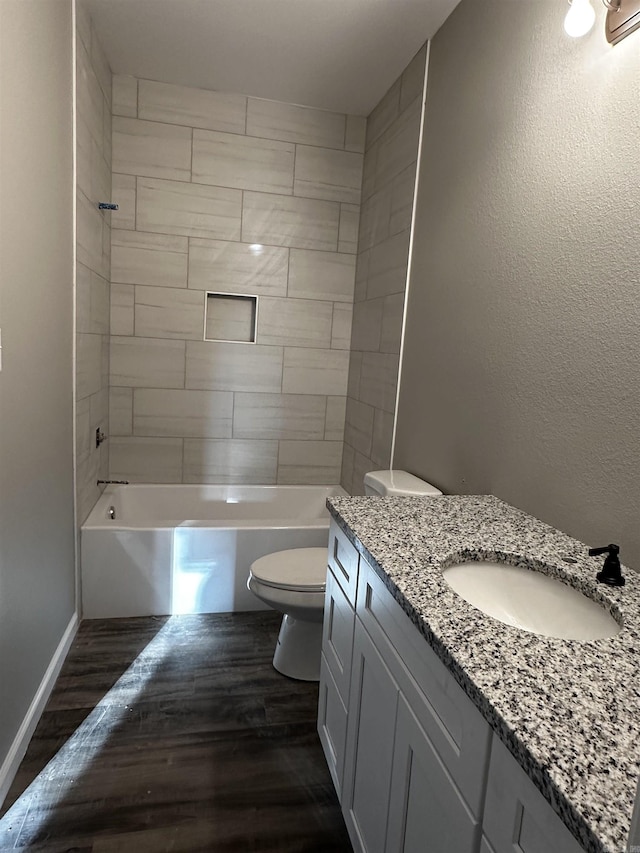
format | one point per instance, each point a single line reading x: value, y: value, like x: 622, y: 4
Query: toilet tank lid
x: 399, y: 483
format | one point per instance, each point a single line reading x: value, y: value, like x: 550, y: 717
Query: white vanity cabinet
x: 415, y: 765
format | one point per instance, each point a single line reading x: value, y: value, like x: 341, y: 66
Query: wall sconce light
x: 623, y: 17
x: 580, y: 18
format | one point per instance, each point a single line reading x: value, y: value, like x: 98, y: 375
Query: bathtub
x: 188, y: 549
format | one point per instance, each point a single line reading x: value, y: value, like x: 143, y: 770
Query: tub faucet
x: 113, y: 482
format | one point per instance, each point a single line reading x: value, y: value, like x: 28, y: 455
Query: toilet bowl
x: 294, y: 581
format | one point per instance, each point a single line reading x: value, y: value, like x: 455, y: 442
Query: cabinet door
x: 455, y: 727
x: 369, y: 753
x: 427, y: 813
x: 516, y: 815
x: 337, y: 635
x: 332, y: 724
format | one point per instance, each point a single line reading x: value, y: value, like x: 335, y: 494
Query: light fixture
x: 623, y: 17
x: 580, y: 18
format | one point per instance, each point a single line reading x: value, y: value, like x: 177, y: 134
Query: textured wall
x: 230, y: 194
x: 393, y: 130
x: 522, y: 366
x: 93, y: 244
x: 36, y: 293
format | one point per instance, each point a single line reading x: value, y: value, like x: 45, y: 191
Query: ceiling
x: 337, y: 55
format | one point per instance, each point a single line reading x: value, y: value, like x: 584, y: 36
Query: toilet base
x: 298, y: 649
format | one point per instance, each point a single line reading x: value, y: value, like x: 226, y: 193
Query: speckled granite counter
x: 569, y: 711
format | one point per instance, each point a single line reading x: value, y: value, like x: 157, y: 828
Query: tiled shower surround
x: 93, y: 155
x: 227, y: 194
x: 393, y: 131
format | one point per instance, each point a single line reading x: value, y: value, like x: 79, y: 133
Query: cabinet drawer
x: 343, y: 562
x: 517, y: 816
x: 332, y: 725
x: 455, y: 727
x: 337, y: 635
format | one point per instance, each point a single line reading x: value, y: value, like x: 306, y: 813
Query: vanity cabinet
x: 415, y: 765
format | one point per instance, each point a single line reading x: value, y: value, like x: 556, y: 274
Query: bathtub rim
x: 100, y: 522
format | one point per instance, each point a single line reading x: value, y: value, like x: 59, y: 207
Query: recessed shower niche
x: 230, y: 317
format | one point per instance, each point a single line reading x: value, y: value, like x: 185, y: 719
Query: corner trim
x: 407, y: 283
x: 21, y: 741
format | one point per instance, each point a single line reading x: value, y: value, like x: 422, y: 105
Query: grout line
x: 185, y: 366
x: 233, y: 415
x: 286, y: 296
x: 295, y: 163
x: 133, y: 408
x: 326, y: 411
x: 282, y: 347
x: 278, y: 463
x: 191, y: 163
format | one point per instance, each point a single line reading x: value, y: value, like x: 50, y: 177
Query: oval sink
x: 530, y: 600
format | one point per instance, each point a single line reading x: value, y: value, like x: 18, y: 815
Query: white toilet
x: 293, y: 582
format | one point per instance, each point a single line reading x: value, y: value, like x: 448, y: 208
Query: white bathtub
x: 188, y: 549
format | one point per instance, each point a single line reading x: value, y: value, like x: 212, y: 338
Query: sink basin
x: 530, y: 600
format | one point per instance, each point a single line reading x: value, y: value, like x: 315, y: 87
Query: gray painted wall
x: 522, y: 363
x: 36, y: 288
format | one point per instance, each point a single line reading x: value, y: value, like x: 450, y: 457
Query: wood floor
x: 175, y: 734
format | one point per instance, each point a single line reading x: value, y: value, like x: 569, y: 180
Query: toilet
x: 293, y: 582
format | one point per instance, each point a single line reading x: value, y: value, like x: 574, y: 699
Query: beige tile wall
x: 389, y: 174
x: 93, y: 241
x: 237, y: 195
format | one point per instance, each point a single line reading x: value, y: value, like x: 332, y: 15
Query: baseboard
x: 21, y: 741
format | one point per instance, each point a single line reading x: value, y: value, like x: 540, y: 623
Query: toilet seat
x: 297, y: 570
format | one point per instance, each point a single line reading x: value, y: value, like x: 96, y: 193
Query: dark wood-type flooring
x: 175, y: 734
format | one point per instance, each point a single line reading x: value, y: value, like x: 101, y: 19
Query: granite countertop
x: 569, y: 711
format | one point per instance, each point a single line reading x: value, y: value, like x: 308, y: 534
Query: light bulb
x: 580, y: 18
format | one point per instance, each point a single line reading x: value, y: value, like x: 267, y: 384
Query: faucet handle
x: 605, y: 549
x: 611, y: 573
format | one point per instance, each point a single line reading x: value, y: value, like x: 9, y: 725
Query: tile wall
x: 230, y: 194
x: 393, y: 130
x: 93, y: 247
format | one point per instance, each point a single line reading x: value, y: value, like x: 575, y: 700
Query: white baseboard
x: 21, y: 741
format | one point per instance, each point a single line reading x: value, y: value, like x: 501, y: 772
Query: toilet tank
x: 383, y: 483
